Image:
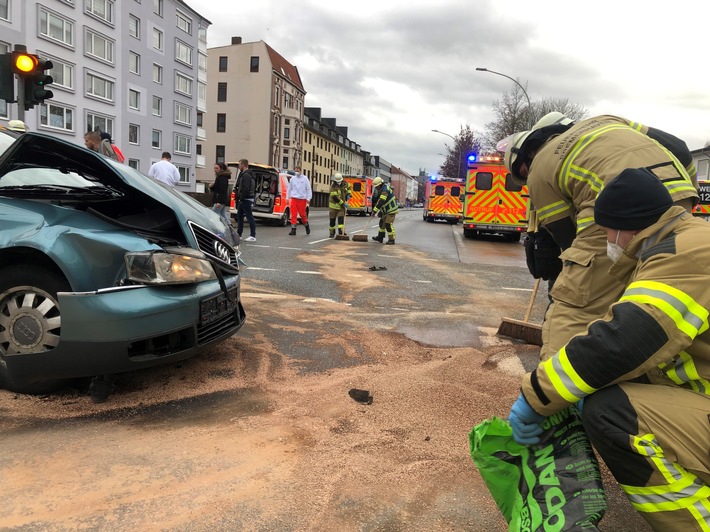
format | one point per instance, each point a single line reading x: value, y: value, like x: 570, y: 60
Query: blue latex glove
x: 525, y: 422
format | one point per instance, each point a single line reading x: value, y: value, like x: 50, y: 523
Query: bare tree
x: 513, y: 114
x: 455, y: 164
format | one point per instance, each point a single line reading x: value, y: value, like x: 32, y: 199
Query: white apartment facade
x: 134, y: 68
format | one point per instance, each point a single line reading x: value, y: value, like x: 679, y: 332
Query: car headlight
x: 167, y: 268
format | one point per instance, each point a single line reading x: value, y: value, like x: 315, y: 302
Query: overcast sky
x: 392, y: 70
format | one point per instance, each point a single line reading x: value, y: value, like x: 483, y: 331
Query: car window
x: 6, y: 141
x: 44, y: 176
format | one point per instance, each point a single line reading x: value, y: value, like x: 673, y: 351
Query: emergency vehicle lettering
x: 497, y: 205
x: 703, y: 207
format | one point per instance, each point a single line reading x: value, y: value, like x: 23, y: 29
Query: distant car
x: 104, y: 270
x: 418, y: 205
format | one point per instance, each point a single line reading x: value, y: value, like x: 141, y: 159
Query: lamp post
x: 481, y: 69
x: 458, y: 152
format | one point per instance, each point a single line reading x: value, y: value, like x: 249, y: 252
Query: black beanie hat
x: 635, y: 199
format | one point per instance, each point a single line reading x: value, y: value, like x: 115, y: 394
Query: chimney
x: 236, y: 40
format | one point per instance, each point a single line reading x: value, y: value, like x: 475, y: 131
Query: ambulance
x: 443, y: 199
x: 702, y: 209
x: 361, y: 198
x: 270, y: 189
x: 493, y: 203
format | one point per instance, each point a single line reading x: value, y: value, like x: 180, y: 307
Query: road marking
x: 265, y: 296
x: 256, y: 245
x: 388, y: 256
x: 263, y: 269
x: 517, y: 289
x: 319, y: 241
x: 423, y: 281
x: 309, y: 272
x: 293, y: 249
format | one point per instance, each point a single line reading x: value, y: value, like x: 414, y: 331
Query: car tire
x: 284, y: 218
x: 29, y: 293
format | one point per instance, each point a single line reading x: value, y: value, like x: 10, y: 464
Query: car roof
x: 257, y: 166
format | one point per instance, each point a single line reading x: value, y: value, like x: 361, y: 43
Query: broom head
x: 530, y: 333
x: 360, y: 238
x: 342, y: 237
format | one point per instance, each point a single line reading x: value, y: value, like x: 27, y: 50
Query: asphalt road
x: 259, y: 433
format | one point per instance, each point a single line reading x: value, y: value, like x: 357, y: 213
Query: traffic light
x: 7, y: 78
x: 31, y: 68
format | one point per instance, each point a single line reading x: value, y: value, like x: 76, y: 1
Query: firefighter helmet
x: 512, y: 150
x: 552, y: 119
x: 337, y: 177
x: 377, y: 181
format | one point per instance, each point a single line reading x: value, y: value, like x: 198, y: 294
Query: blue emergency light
x: 472, y: 158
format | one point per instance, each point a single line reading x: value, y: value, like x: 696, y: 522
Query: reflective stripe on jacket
x: 386, y: 201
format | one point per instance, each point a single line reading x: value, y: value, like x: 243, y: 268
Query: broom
x: 362, y: 237
x: 530, y: 333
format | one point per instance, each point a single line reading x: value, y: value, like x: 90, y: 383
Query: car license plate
x: 218, y: 306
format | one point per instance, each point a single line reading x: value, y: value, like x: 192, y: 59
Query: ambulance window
x: 512, y: 185
x: 357, y: 187
x: 439, y: 190
x: 484, y: 180
x: 455, y: 191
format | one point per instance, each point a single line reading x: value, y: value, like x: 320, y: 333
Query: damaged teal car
x: 102, y: 269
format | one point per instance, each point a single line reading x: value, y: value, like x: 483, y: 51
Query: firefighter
x: 643, y: 370
x: 565, y: 166
x: 338, y: 198
x: 387, y: 203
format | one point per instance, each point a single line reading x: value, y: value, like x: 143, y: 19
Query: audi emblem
x: 221, y: 251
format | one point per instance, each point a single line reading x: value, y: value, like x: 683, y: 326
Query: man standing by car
x: 165, y: 171
x: 244, y: 189
x: 299, y: 193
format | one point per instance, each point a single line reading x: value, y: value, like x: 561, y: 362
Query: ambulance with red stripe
x: 493, y: 202
x: 361, y: 198
x: 443, y: 199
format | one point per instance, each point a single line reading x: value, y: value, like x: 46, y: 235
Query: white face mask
x: 613, y: 249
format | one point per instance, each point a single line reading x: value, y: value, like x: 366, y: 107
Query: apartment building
x: 327, y: 150
x: 255, y: 107
x: 136, y: 69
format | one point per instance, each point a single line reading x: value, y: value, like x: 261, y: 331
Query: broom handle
x: 532, y: 299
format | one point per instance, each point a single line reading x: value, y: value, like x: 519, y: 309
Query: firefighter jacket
x: 657, y: 332
x: 339, y: 195
x: 386, y: 200
x: 570, y: 169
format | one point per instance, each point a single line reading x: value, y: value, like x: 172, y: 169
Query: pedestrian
x: 387, y: 204
x: 299, y: 195
x: 106, y: 138
x: 220, y: 190
x: 165, y: 171
x: 565, y: 165
x: 338, y: 198
x: 244, y: 189
x: 643, y: 370
x: 93, y: 141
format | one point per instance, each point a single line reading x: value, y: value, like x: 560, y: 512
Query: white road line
x: 293, y: 249
x: 319, y: 241
x: 255, y: 245
x: 263, y: 269
x: 309, y: 272
x: 422, y: 281
x: 516, y: 289
x: 388, y: 256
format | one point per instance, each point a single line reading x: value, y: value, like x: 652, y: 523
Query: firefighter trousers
x: 655, y: 439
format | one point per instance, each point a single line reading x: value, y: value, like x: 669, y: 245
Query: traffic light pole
x: 20, y: 98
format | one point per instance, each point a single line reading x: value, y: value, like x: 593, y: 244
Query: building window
x: 223, y: 61
x: 183, y: 114
x: 157, y: 106
x: 102, y: 9
x: 158, y: 7
x: 202, y: 35
x: 183, y: 84
x: 183, y: 144
x: 134, y: 63
x: 222, y: 91
x: 5, y: 9
x: 62, y: 74
x: 183, y: 52
x: 254, y: 64
x: 198, y: 122
x: 276, y: 95
x: 99, y: 87
x: 221, y: 122
x: 287, y: 133
x: 201, y: 92
x: 703, y: 168
x: 134, y: 132
x: 184, y: 172
x: 156, y: 139
x: 56, y: 28
x: 96, y: 122
x: 184, y: 22
x: 56, y: 116
x: 157, y: 73
x: 219, y: 154
x: 134, y: 100
x: 99, y: 46
x: 157, y: 39
x: 135, y: 164
x: 285, y: 163
x: 202, y: 62
x: 134, y: 26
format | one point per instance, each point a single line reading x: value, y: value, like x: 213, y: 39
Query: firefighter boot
x: 293, y: 230
x: 379, y: 238
x: 331, y: 234
x: 390, y: 242
x: 308, y: 229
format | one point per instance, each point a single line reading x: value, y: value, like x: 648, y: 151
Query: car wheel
x: 28, y: 302
x: 284, y: 219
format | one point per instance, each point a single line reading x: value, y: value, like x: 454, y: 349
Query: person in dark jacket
x: 245, y: 200
x: 220, y: 190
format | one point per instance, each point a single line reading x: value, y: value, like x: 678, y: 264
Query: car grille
x: 215, y: 329
x: 213, y: 246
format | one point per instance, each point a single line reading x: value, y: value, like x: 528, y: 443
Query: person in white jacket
x: 299, y: 195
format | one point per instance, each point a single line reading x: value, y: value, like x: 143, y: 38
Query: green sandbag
x: 552, y: 486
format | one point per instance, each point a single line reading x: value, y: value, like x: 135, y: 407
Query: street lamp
x: 458, y: 152
x: 481, y: 69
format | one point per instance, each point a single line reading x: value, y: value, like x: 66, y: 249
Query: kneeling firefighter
x: 387, y: 204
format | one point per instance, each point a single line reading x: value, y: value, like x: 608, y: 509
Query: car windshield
x: 6, y: 140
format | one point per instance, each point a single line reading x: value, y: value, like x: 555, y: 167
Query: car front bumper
x: 128, y: 328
